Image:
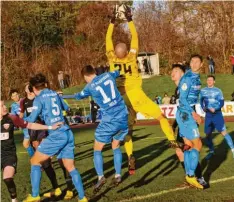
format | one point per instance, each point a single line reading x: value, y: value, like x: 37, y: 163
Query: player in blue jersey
x: 49, y: 106
x: 189, y: 89
x: 211, y: 100
x: 177, y: 72
x: 15, y: 110
x: 114, y: 124
x: 15, y: 106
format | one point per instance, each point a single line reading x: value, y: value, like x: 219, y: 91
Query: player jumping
x: 212, y: 101
x: 61, y: 141
x: 130, y: 86
x: 114, y: 124
x: 189, y: 89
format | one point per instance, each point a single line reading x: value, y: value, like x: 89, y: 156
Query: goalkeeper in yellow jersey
x: 130, y: 86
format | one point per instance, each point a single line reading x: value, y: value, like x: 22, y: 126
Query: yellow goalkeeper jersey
x: 130, y: 77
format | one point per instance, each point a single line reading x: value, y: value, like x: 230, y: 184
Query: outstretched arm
x: 109, y: 42
x: 134, y: 42
x: 34, y: 126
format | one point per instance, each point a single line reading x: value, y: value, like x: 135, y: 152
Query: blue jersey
x: 15, y: 108
x: 49, y: 105
x: 104, y: 92
x: 189, y: 90
x: 211, y: 98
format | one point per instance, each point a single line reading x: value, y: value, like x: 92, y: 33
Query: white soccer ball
x: 120, y: 10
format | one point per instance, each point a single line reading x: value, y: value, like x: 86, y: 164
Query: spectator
x: 145, y: 65
x: 211, y: 64
x: 232, y: 96
x: 66, y: 80
x: 158, y: 100
x: 166, y: 99
x: 232, y: 62
x: 61, y: 79
x: 173, y: 100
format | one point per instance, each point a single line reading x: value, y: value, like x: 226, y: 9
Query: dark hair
x: 196, y: 56
x: 13, y: 91
x: 88, y: 70
x: 211, y: 76
x: 38, y: 81
x: 181, y: 67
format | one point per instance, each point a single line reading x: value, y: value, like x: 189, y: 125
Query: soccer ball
x: 120, y: 10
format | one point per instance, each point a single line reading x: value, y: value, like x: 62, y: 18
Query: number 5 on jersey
x: 55, y: 107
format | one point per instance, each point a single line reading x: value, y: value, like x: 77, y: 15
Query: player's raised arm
x: 109, y: 42
x: 134, y: 42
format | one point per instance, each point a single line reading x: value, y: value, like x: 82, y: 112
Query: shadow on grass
x: 211, y: 165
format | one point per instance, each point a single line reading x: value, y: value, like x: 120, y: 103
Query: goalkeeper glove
x: 128, y: 13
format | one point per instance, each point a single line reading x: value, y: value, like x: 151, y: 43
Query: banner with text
x: 170, y: 111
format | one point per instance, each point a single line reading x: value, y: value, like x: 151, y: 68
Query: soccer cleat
x: 202, y: 182
x: 209, y: 155
x: 99, y: 184
x: 132, y: 165
x: 83, y: 200
x: 69, y: 195
x: 193, y: 182
x: 30, y: 198
x: 57, y: 192
x: 116, y: 180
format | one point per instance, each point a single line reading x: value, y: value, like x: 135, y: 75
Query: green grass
x: 158, y: 169
x: 158, y: 85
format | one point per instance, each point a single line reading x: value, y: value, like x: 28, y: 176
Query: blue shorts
x: 60, y: 143
x: 26, y: 134
x: 109, y: 130
x: 187, y: 125
x: 214, y: 121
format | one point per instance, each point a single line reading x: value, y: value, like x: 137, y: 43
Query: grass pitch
x: 158, y: 177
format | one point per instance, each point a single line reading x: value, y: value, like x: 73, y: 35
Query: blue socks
x: 98, y: 162
x: 186, y: 161
x: 35, y: 179
x: 76, y: 179
x: 117, y: 160
x: 209, y: 142
x: 194, y: 158
x: 229, y: 141
x: 191, y: 159
x: 30, y: 151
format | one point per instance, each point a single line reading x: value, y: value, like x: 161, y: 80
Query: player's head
x: 38, y: 83
x: 196, y: 62
x: 177, y: 72
x: 29, y: 91
x: 4, y: 110
x: 14, y: 94
x: 88, y: 72
x: 121, y: 50
x: 210, y: 81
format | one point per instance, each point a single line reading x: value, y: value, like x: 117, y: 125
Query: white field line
x: 172, y: 190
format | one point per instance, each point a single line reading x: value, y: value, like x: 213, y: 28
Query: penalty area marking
x: 173, y: 190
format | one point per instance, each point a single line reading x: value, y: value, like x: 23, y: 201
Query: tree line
x: 52, y: 36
